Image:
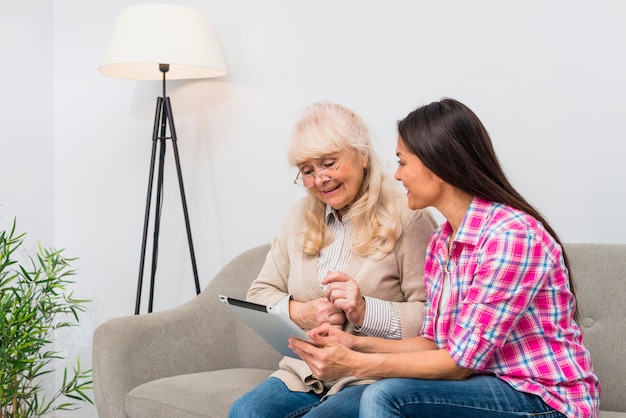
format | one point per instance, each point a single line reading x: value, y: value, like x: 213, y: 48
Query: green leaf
x: 35, y: 301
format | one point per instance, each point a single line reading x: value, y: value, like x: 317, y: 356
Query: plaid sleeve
x: 511, y: 269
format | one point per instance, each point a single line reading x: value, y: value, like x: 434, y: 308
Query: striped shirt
x: 381, y: 317
x: 510, y: 309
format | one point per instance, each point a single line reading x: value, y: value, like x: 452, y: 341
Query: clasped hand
x: 343, y: 292
x: 342, y: 301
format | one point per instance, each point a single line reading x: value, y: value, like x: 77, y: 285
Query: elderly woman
x: 350, y: 254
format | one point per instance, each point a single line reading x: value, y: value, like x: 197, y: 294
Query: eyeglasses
x: 307, y: 179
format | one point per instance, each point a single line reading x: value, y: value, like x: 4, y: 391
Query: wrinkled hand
x: 330, y: 359
x: 316, y: 312
x: 329, y: 334
x: 343, y: 291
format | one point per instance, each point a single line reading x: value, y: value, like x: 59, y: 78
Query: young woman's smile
x: 422, y: 186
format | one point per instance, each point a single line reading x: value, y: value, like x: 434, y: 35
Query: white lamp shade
x: 146, y: 35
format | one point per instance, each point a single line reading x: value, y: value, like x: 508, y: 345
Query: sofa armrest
x: 198, y: 336
x: 130, y: 351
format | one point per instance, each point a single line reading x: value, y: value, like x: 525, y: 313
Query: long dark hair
x: 452, y: 142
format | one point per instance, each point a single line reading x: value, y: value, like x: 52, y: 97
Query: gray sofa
x: 196, y: 359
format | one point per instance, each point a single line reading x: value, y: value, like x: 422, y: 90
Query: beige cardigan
x: 397, y: 277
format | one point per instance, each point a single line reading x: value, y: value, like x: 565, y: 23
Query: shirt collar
x: 473, y: 223
x: 331, y: 216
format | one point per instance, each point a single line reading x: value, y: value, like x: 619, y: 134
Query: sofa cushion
x: 208, y: 394
x: 609, y: 414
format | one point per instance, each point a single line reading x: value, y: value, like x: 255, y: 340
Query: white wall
x: 548, y: 80
x: 27, y: 118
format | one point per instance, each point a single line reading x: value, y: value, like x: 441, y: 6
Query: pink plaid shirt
x: 510, y: 309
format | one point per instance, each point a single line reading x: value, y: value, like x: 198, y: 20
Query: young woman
x: 499, y: 337
x: 350, y: 254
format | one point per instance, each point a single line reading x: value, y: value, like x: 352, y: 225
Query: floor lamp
x: 155, y: 42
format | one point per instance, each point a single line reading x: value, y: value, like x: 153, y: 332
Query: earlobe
x: 365, y: 158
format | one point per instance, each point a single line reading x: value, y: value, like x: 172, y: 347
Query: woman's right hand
x: 314, y: 313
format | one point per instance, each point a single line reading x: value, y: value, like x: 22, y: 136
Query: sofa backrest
x: 245, y: 346
x: 599, y: 273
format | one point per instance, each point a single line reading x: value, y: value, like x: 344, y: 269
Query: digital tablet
x: 273, y: 326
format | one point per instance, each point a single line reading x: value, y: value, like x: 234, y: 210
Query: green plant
x: 34, y: 304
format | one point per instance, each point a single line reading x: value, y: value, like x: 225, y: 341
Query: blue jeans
x: 272, y: 399
x: 480, y: 396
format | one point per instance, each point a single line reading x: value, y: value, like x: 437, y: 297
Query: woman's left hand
x: 343, y: 291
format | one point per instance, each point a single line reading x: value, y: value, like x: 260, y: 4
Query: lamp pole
x: 163, y: 116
